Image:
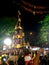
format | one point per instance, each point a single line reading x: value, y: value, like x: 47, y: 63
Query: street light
x: 8, y: 41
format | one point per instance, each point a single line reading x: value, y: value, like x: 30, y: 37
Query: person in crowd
x: 3, y: 62
x: 21, y: 60
x: 11, y: 63
x: 27, y: 57
x: 13, y: 57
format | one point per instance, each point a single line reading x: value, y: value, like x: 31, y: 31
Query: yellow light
x: 0, y: 57
x: 19, y: 20
x: 19, y: 36
x: 20, y: 27
x: 5, y: 54
x: 18, y: 46
x: 30, y: 33
x: 33, y: 12
x: 12, y: 45
x: 22, y: 34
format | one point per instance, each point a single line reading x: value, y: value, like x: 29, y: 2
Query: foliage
x: 7, y: 26
x: 44, y: 31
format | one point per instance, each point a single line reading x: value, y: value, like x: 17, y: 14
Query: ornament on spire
x: 18, y: 21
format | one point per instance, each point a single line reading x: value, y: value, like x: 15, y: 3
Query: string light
x: 30, y: 6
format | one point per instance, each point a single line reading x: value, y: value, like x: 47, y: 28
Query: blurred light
x: 4, y: 47
x: 46, y: 48
x: 18, y: 46
x: 27, y: 47
x: 8, y: 41
x: 34, y: 12
x: 45, y: 53
x: 30, y: 33
x: 35, y: 49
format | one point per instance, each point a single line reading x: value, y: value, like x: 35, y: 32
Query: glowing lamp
x: 8, y: 41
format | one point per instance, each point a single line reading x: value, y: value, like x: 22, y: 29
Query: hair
x: 12, y: 53
x: 11, y: 63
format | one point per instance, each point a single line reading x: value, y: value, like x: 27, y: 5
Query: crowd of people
x: 44, y: 59
x: 24, y: 57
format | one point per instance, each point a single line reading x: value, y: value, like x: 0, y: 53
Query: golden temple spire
x: 18, y: 21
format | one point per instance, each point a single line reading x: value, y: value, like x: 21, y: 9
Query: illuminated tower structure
x: 18, y: 36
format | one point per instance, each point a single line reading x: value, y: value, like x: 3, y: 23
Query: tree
x: 7, y: 26
x: 44, y: 30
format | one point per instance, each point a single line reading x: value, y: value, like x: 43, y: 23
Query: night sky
x: 9, y: 8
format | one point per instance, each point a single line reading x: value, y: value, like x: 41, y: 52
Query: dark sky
x: 8, y: 8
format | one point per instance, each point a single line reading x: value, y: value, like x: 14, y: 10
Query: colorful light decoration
x: 30, y: 5
x: 18, y: 46
x: 33, y: 11
x: 36, y: 9
x: 18, y: 36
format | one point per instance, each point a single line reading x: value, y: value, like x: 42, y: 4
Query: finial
x: 19, y: 19
x: 19, y: 12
